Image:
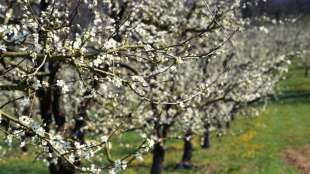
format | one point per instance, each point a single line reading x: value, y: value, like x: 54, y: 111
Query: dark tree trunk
x: 206, y: 136
x: 45, y: 99
x: 187, y: 151
x: 50, y: 102
x: 45, y: 107
x: 44, y: 95
x: 159, y: 149
x: 26, y: 111
x: 58, y: 110
x: 158, y: 158
x: 306, y: 70
x: 80, y: 119
x: 61, y: 168
x: 80, y: 122
x: 228, y: 124
x: 186, y: 162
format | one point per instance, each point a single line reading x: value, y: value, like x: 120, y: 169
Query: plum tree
x: 77, y: 76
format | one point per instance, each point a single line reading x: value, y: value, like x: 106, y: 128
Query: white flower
x: 36, y: 85
x: 25, y: 120
x: 77, y: 43
x: 104, y: 138
x: 71, y: 158
x: 22, y: 144
x: 63, y: 85
x: 109, y: 145
x: 25, y: 101
x: 97, y: 62
x: 124, y: 165
x: 264, y: 29
x: 117, y: 82
x: 94, y: 169
x: 143, y: 135
x: 118, y: 166
x: 112, y: 171
x: 138, y: 156
x: 40, y: 131
x: 37, y: 129
x: 182, y: 105
x: 111, y: 43
x: 45, y: 83
x: 173, y: 69
x: 9, y: 139
x: 179, y: 60
x: 34, y: 55
x: 2, y: 48
x: 60, y: 83
x: 150, y: 143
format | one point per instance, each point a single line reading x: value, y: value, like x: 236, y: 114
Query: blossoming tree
x: 61, y: 61
x: 77, y: 76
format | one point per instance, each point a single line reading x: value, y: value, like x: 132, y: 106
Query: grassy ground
x: 251, y: 146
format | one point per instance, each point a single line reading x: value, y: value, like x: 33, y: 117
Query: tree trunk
x: 58, y: 111
x: 50, y: 103
x: 158, y: 158
x: 186, y: 162
x: 228, y: 124
x: 187, y: 151
x: 61, y: 168
x: 206, y: 136
x: 80, y: 119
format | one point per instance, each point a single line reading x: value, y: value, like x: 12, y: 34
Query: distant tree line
x: 274, y: 8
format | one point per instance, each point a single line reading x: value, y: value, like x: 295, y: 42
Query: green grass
x: 295, y: 80
x: 253, y: 145
x: 21, y: 164
x: 250, y: 146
